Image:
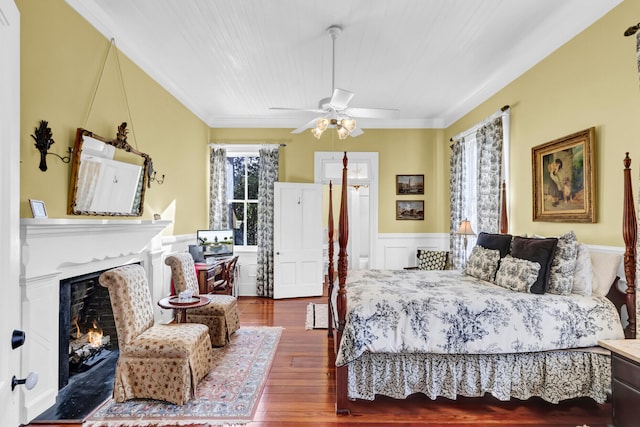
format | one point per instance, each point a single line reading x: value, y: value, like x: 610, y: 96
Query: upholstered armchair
x: 220, y: 315
x: 163, y: 362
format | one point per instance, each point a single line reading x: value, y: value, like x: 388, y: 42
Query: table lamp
x: 465, y: 230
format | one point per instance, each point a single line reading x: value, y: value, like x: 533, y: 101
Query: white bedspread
x: 447, y: 312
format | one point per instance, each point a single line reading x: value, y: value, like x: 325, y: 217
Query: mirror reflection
x: 108, y: 177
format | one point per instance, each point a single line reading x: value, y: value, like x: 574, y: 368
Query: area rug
x: 229, y: 394
x: 316, y: 316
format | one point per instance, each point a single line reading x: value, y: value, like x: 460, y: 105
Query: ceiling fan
x: 335, y: 111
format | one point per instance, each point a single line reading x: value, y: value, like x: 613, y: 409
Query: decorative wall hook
x: 159, y: 181
x: 151, y: 173
x: 44, y: 140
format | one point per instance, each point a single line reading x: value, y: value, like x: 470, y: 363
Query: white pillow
x: 605, y: 268
x: 583, y: 274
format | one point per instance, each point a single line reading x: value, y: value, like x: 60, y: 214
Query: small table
x: 625, y: 380
x: 173, y: 302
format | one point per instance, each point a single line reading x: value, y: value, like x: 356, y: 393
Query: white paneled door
x: 297, y: 240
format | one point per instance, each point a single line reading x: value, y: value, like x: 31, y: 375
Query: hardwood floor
x: 300, y: 387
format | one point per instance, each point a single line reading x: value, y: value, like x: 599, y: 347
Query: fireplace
x: 87, y: 328
x: 55, y: 252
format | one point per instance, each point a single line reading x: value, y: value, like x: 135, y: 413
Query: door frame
x: 11, y: 402
x: 321, y: 158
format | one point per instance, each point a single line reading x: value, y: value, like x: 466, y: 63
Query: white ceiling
x: 228, y: 61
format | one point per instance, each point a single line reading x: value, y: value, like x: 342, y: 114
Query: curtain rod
x: 244, y: 146
x: 475, y: 127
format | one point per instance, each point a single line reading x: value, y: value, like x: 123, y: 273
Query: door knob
x: 29, y: 382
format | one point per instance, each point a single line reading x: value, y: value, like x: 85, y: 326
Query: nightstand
x: 625, y: 380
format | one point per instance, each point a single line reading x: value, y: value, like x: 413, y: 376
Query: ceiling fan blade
x: 304, y: 110
x: 372, y: 113
x: 340, y: 99
x: 311, y: 123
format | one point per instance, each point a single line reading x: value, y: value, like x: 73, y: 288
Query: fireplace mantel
x: 57, y: 249
x: 58, y: 245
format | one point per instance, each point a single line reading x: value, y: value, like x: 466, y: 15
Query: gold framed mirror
x: 108, y: 176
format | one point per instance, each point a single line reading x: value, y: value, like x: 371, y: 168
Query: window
x: 242, y: 196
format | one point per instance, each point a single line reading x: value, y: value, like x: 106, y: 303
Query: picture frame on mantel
x: 564, y: 179
x: 38, y: 208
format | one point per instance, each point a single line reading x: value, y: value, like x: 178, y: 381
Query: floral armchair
x: 220, y: 315
x: 163, y: 362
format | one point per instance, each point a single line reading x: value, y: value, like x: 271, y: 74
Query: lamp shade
x: 465, y: 228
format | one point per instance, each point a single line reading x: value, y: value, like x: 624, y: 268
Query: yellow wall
x: 61, y: 59
x: 401, y: 152
x: 590, y: 81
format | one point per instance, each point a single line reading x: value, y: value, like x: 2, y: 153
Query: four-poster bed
x: 557, y: 362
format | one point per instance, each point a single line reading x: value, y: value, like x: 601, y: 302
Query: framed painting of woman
x: 564, y: 179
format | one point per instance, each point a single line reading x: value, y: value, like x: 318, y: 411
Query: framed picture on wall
x: 409, y: 184
x: 564, y: 183
x: 410, y: 209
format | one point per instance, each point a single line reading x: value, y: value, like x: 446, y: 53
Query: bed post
x: 341, y: 302
x: 630, y: 235
x: 330, y: 269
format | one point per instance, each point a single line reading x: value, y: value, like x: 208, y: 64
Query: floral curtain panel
x: 458, y: 200
x: 489, y: 139
x: 218, y: 206
x: 268, y: 175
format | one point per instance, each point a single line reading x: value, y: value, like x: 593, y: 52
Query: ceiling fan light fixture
x: 349, y: 124
x: 322, y: 124
x: 343, y: 132
x: 317, y: 132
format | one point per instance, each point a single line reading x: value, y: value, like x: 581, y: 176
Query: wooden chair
x: 220, y: 315
x: 227, y: 281
x: 163, y: 362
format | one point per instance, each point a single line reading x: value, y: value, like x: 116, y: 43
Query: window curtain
x: 489, y: 140
x: 218, y: 206
x: 457, y: 202
x: 475, y: 181
x: 267, y: 176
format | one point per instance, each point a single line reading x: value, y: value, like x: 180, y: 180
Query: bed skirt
x: 552, y: 375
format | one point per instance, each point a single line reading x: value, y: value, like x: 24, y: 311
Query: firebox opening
x: 87, y: 328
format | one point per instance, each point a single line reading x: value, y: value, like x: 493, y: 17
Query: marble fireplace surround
x: 57, y: 249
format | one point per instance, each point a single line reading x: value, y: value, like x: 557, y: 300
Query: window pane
x: 237, y: 209
x: 253, y: 165
x: 236, y: 165
x: 252, y: 224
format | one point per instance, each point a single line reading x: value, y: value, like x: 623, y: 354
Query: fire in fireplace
x: 87, y: 328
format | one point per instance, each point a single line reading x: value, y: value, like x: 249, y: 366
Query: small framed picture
x: 410, y: 209
x: 38, y: 209
x: 409, y: 184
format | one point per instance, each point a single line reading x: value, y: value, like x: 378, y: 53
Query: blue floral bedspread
x: 447, y: 312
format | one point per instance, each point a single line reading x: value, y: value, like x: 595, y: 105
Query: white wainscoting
x: 398, y: 250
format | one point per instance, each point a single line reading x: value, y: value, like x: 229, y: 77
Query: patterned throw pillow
x: 432, y: 260
x: 582, y: 276
x: 517, y: 274
x: 536, y: 250
x: 563, y: 265
x: 483, y: 263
